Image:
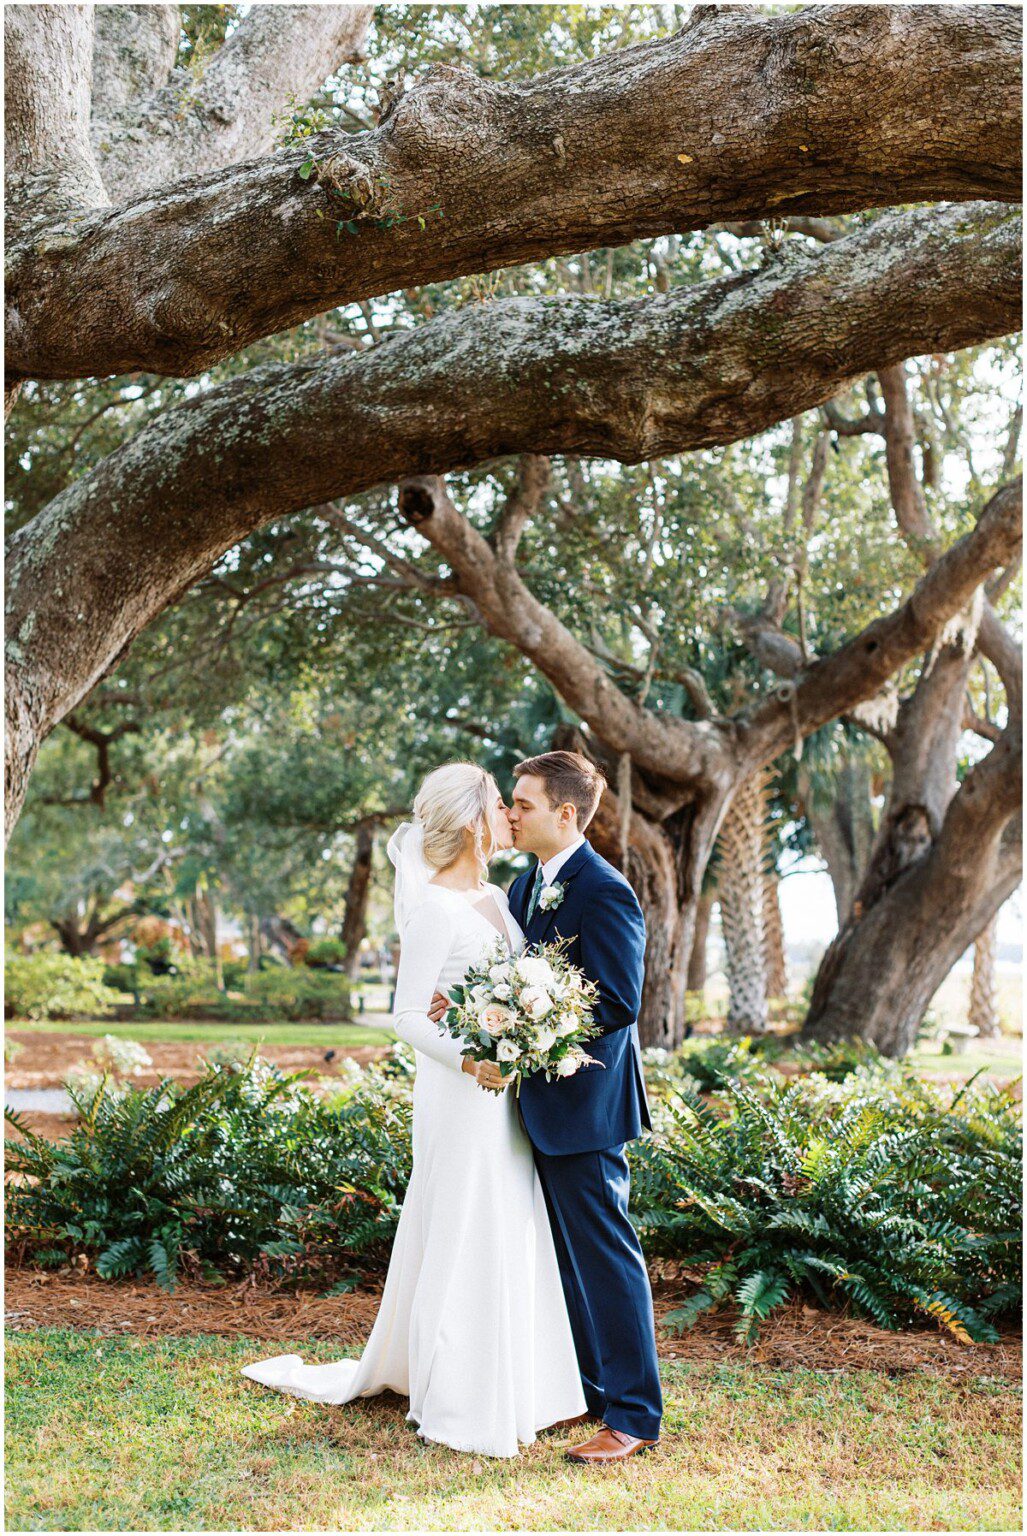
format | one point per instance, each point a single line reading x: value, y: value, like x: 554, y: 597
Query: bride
x: 473, y: 1325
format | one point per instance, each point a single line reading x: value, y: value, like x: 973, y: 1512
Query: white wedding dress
x: 473, y: 1325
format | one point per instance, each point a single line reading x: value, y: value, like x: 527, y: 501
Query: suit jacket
x: 603, y: 1106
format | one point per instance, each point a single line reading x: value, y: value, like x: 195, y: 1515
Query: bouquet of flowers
x: 530, y: 1012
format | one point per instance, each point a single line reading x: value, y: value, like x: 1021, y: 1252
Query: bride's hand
x: 486, y: 1074
x: 439, y: 1005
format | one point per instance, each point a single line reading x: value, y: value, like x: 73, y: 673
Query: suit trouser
x: 606, y: 1286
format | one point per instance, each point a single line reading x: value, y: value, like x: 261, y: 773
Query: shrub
x: 47, y: 985
x: 281, y: 993
x: 300, y: 994
x: 160, y: 957
x: 881, y: 1190
x: 897, y: 1197
x: 247, y: 1170
x: 122, y: 977
x: 119, y: 1059
x: 325, y: 952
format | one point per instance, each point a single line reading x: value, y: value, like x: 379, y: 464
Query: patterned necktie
x: 536, y: 892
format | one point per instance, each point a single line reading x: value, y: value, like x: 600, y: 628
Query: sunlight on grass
x: 341, y: 1036
x: 123, y: 1434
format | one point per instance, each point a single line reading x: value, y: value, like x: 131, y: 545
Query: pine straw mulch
x: 799, y: 1337
x: 46, y: 1059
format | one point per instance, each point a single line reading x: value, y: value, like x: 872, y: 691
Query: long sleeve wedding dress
x: 473, y: 1325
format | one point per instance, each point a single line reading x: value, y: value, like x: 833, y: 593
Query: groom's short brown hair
x: 567, y: 776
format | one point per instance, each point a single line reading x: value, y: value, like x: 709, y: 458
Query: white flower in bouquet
x: 566, y: 1024
x: 500, y: 972
x: 545, y: 1040
x: 507, y: 1050
x: 496, y: 1019
x: 504, y: 992
x: 536, y: 1001
x: 536, y: 970
x: 567, y: 1066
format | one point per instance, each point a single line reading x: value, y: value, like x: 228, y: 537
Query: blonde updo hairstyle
x: 453, y: 800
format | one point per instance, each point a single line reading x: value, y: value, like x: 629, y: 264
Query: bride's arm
x: 426, y: 942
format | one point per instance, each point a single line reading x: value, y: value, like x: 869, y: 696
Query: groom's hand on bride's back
x: 439, y: 1004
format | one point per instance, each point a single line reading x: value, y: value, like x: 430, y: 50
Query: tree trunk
x: 354, y: 922
x: 696, y: 981
x: 213, y: 925
x: 254, y: 944
x: 196, y: 942
x: 923, y: 747
x: 740, y: 889
x: 924, y: 902
x: 72, y: 937
x: 205, y: 919
x: 983, y: 999
x: 668, y: 848
x: 134, y: 52
x: 774, y: 936
x: 843, y: 828
x: 651, y: 871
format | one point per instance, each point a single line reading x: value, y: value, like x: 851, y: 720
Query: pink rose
x: 495, y: 1019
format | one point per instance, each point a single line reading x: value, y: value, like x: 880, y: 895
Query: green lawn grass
x: 1001, y: 1060
x: 338, y: 1035
x: 128, y: 1434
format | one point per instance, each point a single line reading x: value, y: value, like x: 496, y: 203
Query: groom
x: 578, y: 1125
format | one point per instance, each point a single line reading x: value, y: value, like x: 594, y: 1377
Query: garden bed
x: 46, y: 1058
x: 798, y: 1337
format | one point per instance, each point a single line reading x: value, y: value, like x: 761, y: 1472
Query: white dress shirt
x: 551, y: 868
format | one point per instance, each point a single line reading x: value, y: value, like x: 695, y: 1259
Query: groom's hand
x: 439, y: 1005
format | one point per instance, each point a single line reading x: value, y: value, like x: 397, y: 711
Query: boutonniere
x: 550, y: 896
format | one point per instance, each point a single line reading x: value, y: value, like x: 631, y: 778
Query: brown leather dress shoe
x: 608, y: 1445
x: 582, y: 1418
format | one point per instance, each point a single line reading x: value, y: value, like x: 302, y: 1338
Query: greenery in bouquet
x: 530, y: 1012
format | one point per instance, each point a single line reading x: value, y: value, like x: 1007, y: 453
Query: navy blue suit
x: 578, y: 1126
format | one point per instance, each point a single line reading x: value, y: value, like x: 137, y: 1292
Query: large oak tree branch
x: 739, y: 116
x: 630, y: 381
x: 275, y: 52
x: 513, y: 613
x: 134, y: 52
x: 832, y: 686
x: 48, y: 67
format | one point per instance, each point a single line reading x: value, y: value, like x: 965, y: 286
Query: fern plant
x: 877, y: 1191
x: 247, y: 1169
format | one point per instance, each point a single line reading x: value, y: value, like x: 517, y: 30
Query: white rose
x: 545, y: 1040
x: 567, y: 1066
x: 495, y: 1019
x: 536, y: 1001
x: 566, y: 1024
x: 480, y: 997
x: 499, y: 973
x: 502, y: 992
x: 507, y: 1050
x: 536, y: 970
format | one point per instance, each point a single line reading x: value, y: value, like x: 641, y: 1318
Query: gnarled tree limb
x: 825, y: 110
x: 630, y: 381
x: 183, y: 125
x: 833, y: 685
